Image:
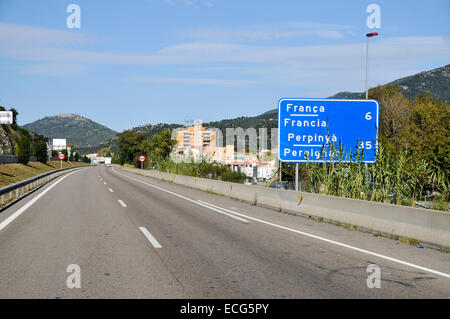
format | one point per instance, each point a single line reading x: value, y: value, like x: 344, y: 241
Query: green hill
x: 76, y: 129
x: 436, y: 82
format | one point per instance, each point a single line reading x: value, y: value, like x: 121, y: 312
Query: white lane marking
x: 193, y: 201
x: 21, y: 210
x: 150, y: 237
x: 340, y: 244
x: 105, y: 183
x: 221, y: 211
x: 368, y: 252
x: 122, y: 203
x: 110, y: 190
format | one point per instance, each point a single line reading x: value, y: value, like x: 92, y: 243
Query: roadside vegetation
x: 413, y: 159
x: 13, y: 173
x: 412, y: 166
x: 157, y: 150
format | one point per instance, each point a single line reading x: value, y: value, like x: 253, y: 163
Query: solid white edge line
x: 310, y: 235
x: 122, y: 203
x: 21, y: 210
x: 150, y: 237
x: 341, y: 244
x: 221, y: 211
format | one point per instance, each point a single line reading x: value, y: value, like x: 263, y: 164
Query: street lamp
x: 368, y: 35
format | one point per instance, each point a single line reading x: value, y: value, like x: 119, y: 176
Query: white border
x: 340, y: 100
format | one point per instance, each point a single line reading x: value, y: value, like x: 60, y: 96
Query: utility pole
x: 368, y: 35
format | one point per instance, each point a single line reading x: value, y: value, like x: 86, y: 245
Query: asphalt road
x: 137, y: 237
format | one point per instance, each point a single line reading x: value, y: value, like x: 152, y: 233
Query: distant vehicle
x: 107, y: 161
x: 279, y: 185
x: 248, y: 181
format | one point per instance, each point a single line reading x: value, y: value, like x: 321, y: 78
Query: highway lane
x: 134, y: 240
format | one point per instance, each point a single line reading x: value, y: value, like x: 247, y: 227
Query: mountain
x: 76, y: 129
x: 436, y: 82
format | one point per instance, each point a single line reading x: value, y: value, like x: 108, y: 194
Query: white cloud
x: 53, y: 69
x: 315, y: 66
x: 16, y: 35
x: 208, y: 3
x: 202, y: 81
x: 267, y: 32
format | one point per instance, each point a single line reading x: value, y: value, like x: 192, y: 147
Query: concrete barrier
x: 429, y: 227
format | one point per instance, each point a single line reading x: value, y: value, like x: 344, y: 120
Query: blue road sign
x: 317, y: 129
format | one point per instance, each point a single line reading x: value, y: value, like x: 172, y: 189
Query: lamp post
x: 368, y: 35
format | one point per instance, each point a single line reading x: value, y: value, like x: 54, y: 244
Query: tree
x: 104, y: 152
x: 161, y: 144
x: 40, y: 151
x: 427, y: 132
x: 15, y: 114
x: 76, y: 157
x: 130, y: 146
x: 24, y: 150
x: 65, y: 153
x: 394, y: 111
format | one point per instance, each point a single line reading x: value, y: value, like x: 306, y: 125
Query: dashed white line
x: 306, y: 234
x: 110, y: 190
x: 150, y: 237
x: 105, y: 183
x: 122, y: 203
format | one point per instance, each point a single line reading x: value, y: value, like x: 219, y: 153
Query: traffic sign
x: 6, y: 117
x: 315, y: 130
x: 142, y: 158
x: 61, y: 156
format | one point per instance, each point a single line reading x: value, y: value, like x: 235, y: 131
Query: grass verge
x: 13, y: 173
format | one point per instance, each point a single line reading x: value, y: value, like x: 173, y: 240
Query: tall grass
x: 393, y: 178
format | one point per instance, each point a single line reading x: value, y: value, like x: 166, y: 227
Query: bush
x: 40, y: 151
x: 24, y: 150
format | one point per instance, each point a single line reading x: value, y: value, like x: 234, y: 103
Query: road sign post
x: 142, y: 159
x: 323, y: 130
x: 61, y: 157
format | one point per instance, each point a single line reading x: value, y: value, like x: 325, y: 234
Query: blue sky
x: 151, y: 61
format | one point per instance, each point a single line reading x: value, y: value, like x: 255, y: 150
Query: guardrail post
x: 17, y: 193
x: 10, y: 195
x: 3, y: 199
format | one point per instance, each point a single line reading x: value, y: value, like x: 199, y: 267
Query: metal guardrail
x: 11, y: 193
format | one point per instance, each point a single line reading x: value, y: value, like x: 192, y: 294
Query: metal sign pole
x: 296, y: 177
